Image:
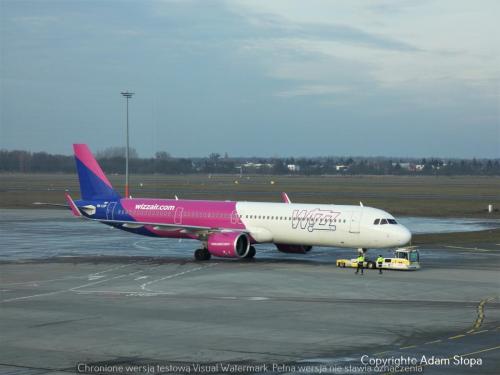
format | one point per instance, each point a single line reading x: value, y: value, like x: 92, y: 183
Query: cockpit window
x: 384, y: 221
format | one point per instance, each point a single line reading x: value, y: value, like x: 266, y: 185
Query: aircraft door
x: 235, y: 218
x: 355, y: 223
x: 110, y: 210
x: 178, y: 215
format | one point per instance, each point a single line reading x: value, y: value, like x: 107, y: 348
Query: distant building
x: 293, y: 167
x: 256, y: 165
x: 407, y: 166
x: 341, y: 168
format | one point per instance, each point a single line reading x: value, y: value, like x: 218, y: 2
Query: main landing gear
x: 202, y: 254
x: 251, y: 253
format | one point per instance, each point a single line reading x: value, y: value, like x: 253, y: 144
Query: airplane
x: 230, y: 229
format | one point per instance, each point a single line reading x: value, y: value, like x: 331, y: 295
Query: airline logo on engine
x: 315, y: 219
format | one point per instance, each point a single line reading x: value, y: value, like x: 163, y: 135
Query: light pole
x: 127, y: 95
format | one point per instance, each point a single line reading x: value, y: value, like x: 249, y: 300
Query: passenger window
x: 383, y: 221
x: 376, y: 222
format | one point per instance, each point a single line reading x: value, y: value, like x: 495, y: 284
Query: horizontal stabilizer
x: 74, y: 209
x: 51, y: 204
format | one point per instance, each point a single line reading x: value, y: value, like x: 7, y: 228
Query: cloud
x: 322, y: 69
x: 308, y: 90
x: 129, y: 32
x: 36, y: 20
x: 276, y: 26
x: 393, y: 45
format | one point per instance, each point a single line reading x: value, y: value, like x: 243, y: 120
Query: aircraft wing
x: 199, y: 231
x: 157, y: 226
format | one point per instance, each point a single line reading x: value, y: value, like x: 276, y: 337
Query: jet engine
x: 229, y: 244
x: 297, y: 249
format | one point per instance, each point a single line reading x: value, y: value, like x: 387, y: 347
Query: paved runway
x: 284, y: 310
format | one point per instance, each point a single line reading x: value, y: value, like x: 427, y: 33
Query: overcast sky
x: 288, y: 78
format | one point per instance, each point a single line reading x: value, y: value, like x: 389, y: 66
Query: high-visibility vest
x: 361, y: 259
x: 380, y: 260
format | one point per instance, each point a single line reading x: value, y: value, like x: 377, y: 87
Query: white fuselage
x: 321, y: 225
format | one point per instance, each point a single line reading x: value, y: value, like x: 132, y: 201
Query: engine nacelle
x: 229, y: 244
x: 297, y: 249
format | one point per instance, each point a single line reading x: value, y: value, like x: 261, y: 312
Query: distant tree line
x: 112, y: 160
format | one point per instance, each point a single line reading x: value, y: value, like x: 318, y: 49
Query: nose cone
x: 404, y: 235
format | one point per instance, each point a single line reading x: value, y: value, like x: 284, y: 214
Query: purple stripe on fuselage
x: 183, y: 212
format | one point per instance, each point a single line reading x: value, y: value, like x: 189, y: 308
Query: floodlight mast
x: 127, y: 95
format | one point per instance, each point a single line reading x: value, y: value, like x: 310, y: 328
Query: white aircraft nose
x: 404, y: 235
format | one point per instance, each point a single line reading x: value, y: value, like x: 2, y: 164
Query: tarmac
x: 70, y: 313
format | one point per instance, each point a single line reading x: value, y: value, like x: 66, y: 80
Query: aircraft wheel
x: 202, y: 254
x: 251, y: 253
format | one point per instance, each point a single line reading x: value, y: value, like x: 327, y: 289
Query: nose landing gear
x: 362, y: 251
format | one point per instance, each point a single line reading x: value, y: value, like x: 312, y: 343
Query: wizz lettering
x: 314, y: 219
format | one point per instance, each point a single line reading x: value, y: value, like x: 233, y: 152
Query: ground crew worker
x: 380, y: 260
x: 360, y: 260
